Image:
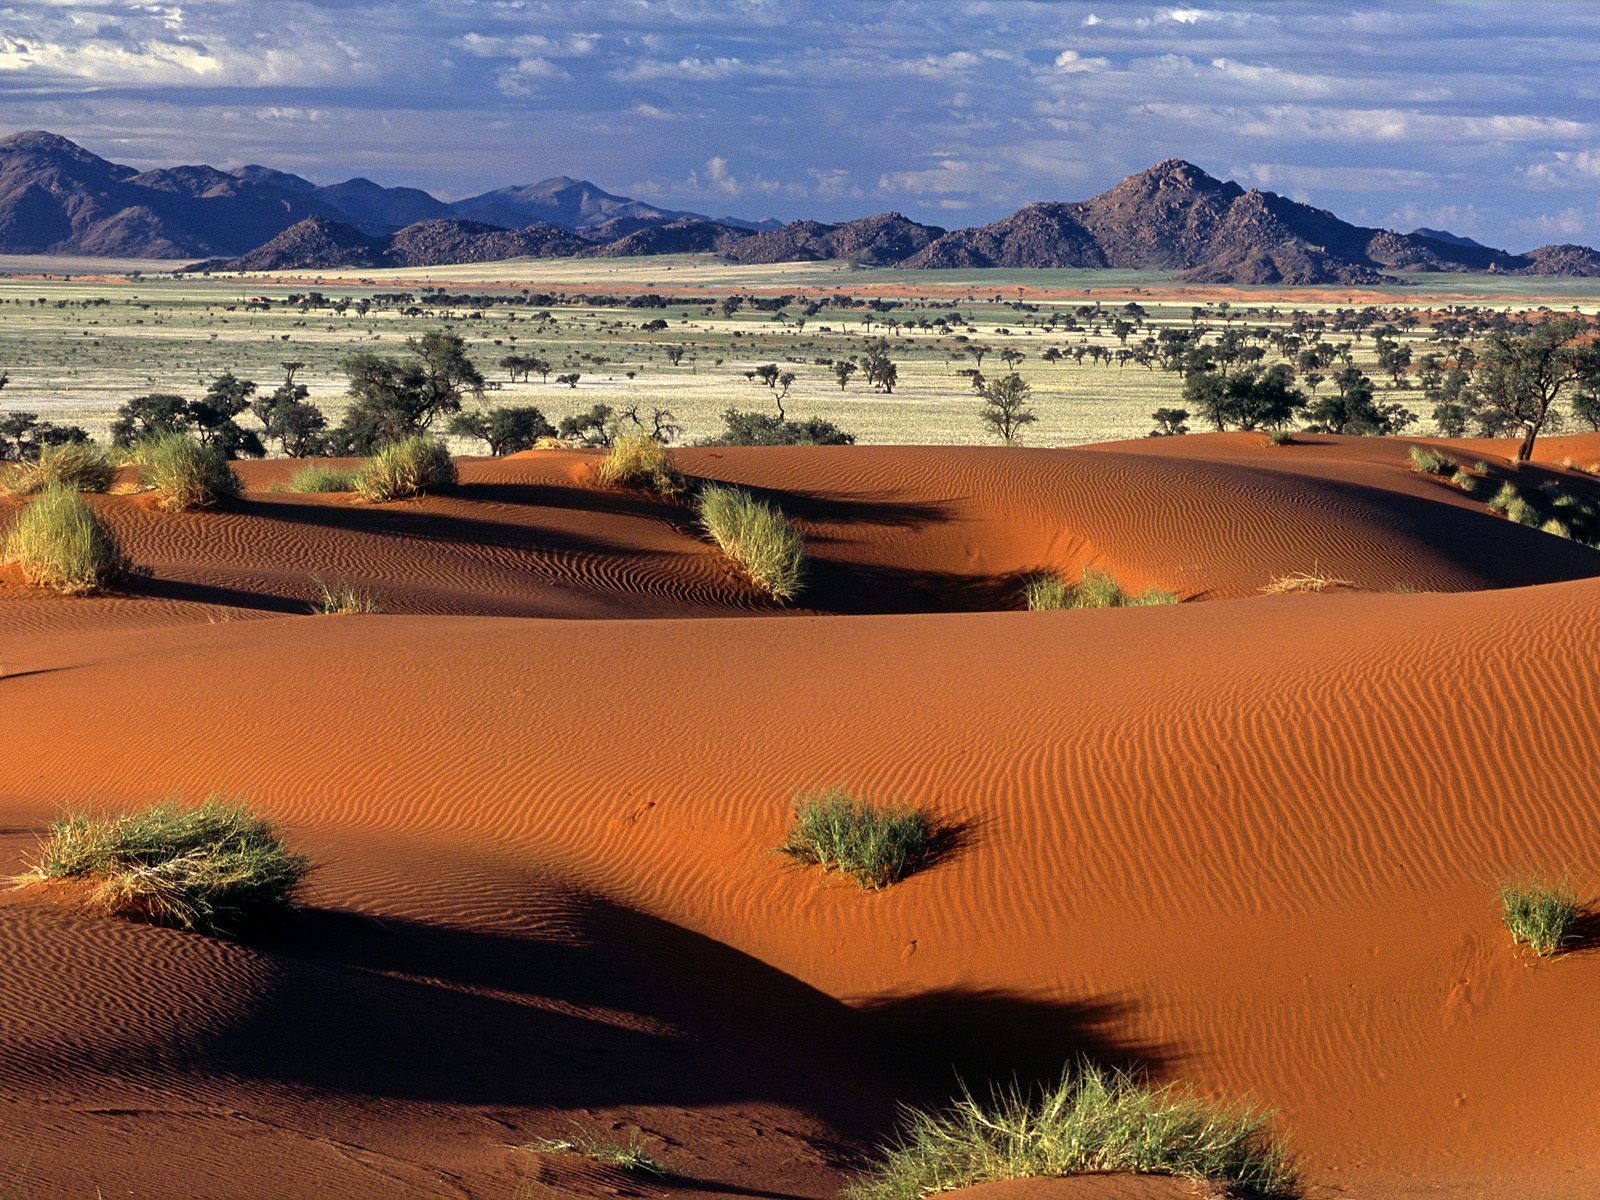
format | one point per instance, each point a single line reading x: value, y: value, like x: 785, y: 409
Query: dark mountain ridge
x: 56, y: 197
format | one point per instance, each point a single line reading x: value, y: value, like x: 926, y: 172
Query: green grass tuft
x: 1096, y: 589
x: 757, y: 536
x: 1464, y: 480
x: 630, y: 1156
x: 318, y: 478
x: 410, y: 467
x: 339, y: 599
x: 59, y: 542
x: 1280, y: 437
x: 1094, y: 1120
x: 81, y: 466
x: 875, y: 844
x: 638, y: 461
x: 182, y: 473
x: 213, y: 869
x: 1511, y: 503
x: 1542, y: 916
x: 1430, y: 462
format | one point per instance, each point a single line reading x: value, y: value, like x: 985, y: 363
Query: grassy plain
x: 78, y: 344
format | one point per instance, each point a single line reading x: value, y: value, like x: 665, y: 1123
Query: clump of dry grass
x: 59, y: 542
x: 81, y: 466
x: 1095, y: 589
x: 410, y: 467
x: 757, y: 536
x: 639, y: 461
x: 183, y: 474
x: 212, y: 869
x: 342, y: 599
x: 1307, y: 581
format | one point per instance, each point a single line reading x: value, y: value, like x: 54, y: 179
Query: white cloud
x: 950, y: 175
x: 1564, y: 168
x: 521, y: 79
x: 1070, y: 62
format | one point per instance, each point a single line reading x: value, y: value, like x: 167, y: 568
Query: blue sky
x: 1481, y: 118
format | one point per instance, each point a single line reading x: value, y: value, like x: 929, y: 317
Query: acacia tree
x: 1520, y: 378
x: 1006, y: 407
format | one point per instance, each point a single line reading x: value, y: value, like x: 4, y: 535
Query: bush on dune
x: 1542, y: 916
x: 216, y: 868
x: 182, y: 473
x: 1095, y: 589
x: 1094, y: 1120
x: 1430, y: 462
x: 81, y: 466
x: 639, y: 461
x: 756, y: 536
x: 59, y: 542
x: 410, y: 467
x: 319, y: 478
x: 342, y: 599
x: 875, y: 844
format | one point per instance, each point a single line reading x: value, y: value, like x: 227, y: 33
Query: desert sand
x: 1246, y: 843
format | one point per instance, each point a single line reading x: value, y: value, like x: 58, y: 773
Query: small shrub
x: 318, y: 478
x: 406, y: 468
x: 213, y: 869
x: 59, y: 542
x: 630, y: 1156
x: 1280, y: 437
x: 1095, y: 589
x: 756, y: 536
x: 1541, y: 916
x: 1556, y: 526
x: 1094, y: 1120
x: 637, y: 460
x: 1307, y: 581
x: 1464, y: 479
x: 183, y: 474
x: 1430, y: 462
x: 337, y: 599
x: 81, y: 466
x: 875, y: 844
x: 1511, y: 504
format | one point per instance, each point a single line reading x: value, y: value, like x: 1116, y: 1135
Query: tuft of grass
x: 1464, y: 480
x: 81, y: 466
x: 757, y: 536
x: 215, y: 868
x: 1542, y: 916
x: 1430, y: 462
x: 338, y: 599
x: 1280, y: 437
x: 410, y: 467
x: 1095, y: 589
x: 638, y: 461
x: 1306, y: 581
x: 875, y: 844
x: 317, y: 478
x: 631, y: 1156
x: 182, y: 473
x: 1511, y: 504
x: 59, y: 542
x: 1095, y: 1120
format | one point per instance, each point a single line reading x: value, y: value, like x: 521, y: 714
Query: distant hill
x: 574, y: 204
x: 320, y: 244
x: 56, y: 197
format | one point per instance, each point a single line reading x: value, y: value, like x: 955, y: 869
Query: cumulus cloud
x: 1071, y: 62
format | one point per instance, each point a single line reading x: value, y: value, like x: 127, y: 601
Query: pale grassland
x: 76, y: 348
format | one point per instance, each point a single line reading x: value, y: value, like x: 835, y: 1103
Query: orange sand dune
x: 890, y: 529
x: 1246, y: 844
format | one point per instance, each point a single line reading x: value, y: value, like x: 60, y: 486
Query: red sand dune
x: 1247, y: 844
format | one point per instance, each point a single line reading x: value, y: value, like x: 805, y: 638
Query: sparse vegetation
x: 335, y: 599
x: 1514, y: 506
x: 410, y: 467
x: 182, y: 473
x: 1542, y: 916
x: 1095, y: 589
x: 1430, y: 462
x: 1096, y: 1119
x: 1307, y: 581
x: 216, y: 868
x: 631, y: 1156
x: 875, y: 844
x: 81, y: 466
x: 59, y: 542
x: 1280, y: 437
x: 757, y: 536
x: 639, y: 461
x: 321, y: 478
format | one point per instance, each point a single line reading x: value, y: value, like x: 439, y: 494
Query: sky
x: 1479, y: 118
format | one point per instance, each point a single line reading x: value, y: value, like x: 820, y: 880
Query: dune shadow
x: 619, y: 1008
x: 153, y: 587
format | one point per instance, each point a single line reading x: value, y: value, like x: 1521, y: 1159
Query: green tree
x: 1006, y: 406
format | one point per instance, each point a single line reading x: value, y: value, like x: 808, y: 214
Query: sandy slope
x: 1247, y: 844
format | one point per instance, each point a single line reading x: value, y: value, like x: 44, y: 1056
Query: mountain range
x: 58, y: 198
